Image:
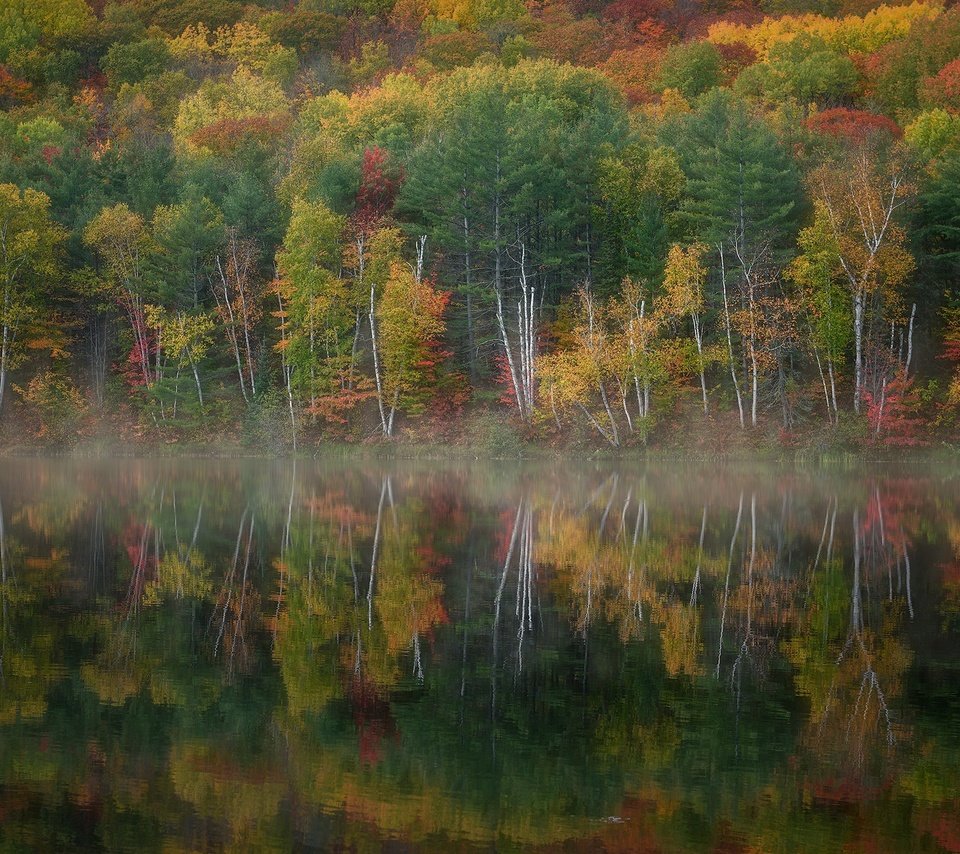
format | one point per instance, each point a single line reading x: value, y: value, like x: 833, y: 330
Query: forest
x: 569, y: 223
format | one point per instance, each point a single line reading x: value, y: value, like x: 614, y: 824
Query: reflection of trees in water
x: 338, y: 633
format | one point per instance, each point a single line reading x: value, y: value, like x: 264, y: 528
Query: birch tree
x: 410, y: 319
x: 742, y: 192
x: 238, y: 291
x: 857, y: 201
x: 683, y: 284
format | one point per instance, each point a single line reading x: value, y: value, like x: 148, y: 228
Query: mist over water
x: 202, y: 655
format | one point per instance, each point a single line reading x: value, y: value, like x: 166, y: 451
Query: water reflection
x: 260, y: 656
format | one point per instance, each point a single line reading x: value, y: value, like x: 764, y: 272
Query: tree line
x: 594, y: 221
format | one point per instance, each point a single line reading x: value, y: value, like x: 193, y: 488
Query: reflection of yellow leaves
x: 680, y: 639
x: 53, y: 560
x: 113, y: 686
x: 28, y: 675
x: 218, y: 787
x: 180, y: 578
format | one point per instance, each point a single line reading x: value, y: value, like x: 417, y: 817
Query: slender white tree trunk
x: 726, y: 316
x: 858, y: 300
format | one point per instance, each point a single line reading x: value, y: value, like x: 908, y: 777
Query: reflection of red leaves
x: 373, y: 720
x: 136, y: 541
x: 950, y: 574
x: 885, y: 517
x: 841, y: 791
x: 943, y: 824
x: 334, y: 508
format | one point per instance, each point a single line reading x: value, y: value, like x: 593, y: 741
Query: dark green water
x: 244, y: 656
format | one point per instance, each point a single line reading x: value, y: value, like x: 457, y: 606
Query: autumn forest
x: 570, y: 223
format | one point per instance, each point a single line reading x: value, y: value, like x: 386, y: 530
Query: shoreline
x: 416, y: 451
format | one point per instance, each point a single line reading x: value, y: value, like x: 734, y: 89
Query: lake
x: 399, y: 656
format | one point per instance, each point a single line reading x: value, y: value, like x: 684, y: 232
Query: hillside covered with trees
x: 283, y: 223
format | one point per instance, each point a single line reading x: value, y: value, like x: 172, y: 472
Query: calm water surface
x: 365, y: 657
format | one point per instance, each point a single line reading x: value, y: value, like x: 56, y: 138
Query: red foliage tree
x: 633, y: 13
x: 229, y: 135
x: 943, y: 90
x: 856, y: 126
x: 734, y: 58
x: 13, y: 90
x: 893, y: 413
x: 378, y: 189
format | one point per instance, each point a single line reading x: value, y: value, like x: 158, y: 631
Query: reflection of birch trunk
x: 238, y: 622
x: 496, y: 609
x: 3, y: 585
x: 227, y: 595
x: 726, y: 585
x: 285, y: 547
x: 906, y: 560
x: 417, y: 658
x: 633, y: 593
x: 466, y: 625
x: 524, y: 607
x: 869, y: 680
x: 744, y: 651
x: 373, y: 555
x: 695, y: 589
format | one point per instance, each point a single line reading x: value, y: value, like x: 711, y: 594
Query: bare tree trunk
x: 833, y: 389
x: 98, y: 357
x: 245, y: 319
x: 287, y: 369
x: 353, y: 348
x: 231, y: 328
x: 906, y: 366
x: 695, y: 588
x: 611, y: 438
x: 858, y: 347
x: 823, y: 380
x: 883, y: 395
x: 613, y: 421
x: 373, y: 555
x: 698, y: 337
x: 726, y: 316
x: 374, y: 344
x: 509, y: 353
x: 4, y: 360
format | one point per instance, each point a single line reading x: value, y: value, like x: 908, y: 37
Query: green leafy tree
x: 691, y: 69
x: 29, y: 240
